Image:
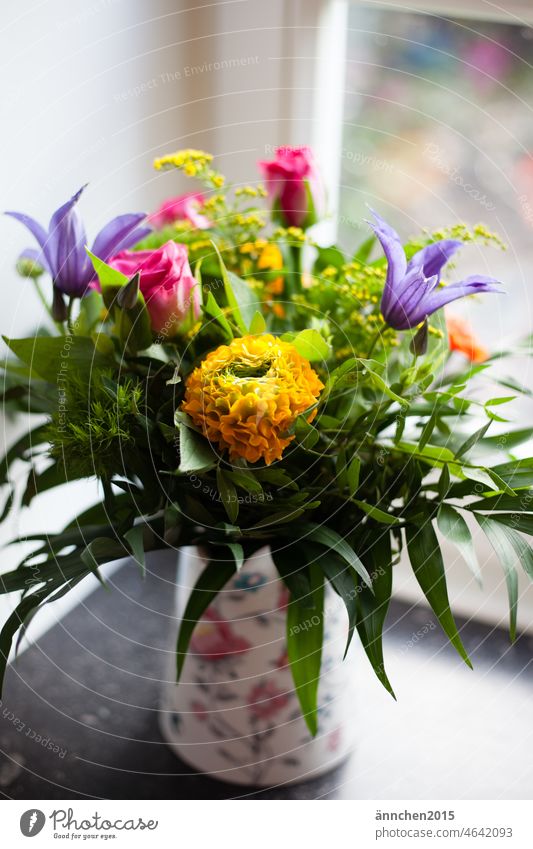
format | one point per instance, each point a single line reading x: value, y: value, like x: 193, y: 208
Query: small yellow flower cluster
x: 250, y: 191
x: 245, y: 396
x: 214, y: 202
x: 193, y: 163
x: 250, y: 219
x: 184, y: 158
x: 294, y: 234
x: 253, y: 247
x: 478, y: 233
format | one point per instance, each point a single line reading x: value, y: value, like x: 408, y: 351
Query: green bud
x: 29, y: 268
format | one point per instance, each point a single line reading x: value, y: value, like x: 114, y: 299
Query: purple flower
x: 412, y: 290
x: 62, y: 247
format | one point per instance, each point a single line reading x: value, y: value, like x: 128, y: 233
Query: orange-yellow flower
x: 462, y: 338
x: 246, y: 395
x: 271, y: 259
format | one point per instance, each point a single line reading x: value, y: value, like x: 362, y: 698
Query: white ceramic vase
x: 235, y: 715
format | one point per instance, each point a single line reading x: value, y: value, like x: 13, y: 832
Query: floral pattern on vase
x: 235, y: 714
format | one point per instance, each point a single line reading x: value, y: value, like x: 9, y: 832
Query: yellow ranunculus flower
x: 246, y: 395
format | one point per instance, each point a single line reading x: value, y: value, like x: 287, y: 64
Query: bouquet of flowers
x: 233, y: 384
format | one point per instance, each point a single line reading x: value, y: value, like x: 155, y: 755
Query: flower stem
x: 44, y: 302
x: 69, y: 316
x: 373, y: 344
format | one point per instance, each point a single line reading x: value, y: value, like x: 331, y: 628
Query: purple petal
x: 432, y: 258
x: 404, y: 300
x: 72, y: 267
x: 118, y: 234
x: 35, y: 256
x: 46, y: 244
x: 395, y: 254
x: 474, y: 285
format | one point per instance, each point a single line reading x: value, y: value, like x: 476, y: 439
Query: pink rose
x: 182, y: 208
x: 166, y: 282
x: 294, y: 186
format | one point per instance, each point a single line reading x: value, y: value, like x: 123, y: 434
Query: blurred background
x: 423, y: 110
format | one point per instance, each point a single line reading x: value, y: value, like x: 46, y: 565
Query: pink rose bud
x: 182, y: 208
x: 294, y: 186
x: 166, y: 283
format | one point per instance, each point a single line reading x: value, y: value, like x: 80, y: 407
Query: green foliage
x: 93, y: 430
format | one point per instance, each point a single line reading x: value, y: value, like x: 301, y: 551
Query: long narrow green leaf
x: 500, y: 538
x: 214, y: 311
x: 216, y: 574
x: 426, y: 560
x: 344, y: 580
x: 135, y: 538
x: 291, y: 563
x: 15, y: 621
x: 305, y: 635
x: 377, y: 514
x: 372, y: 607
x: 472, y: 441
x: 228, y: 494
x: 454, y: 527
x: 331, y: 539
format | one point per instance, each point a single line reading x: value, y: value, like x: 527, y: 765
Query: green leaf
x: 196, y: 454
x: 27, y: 443
x: 110, y: 279
x: 426, y: 561
x: 135, y: 538
x: 522, y: 522
x: 472, y: 441
x: 211, y: 308
x: 501, y: 539
x: 309, y: 344
x: 91, y: 306
x: 454, y: 527
x: 444, y: 483
x: 521, y: 504
x: 238, y: 553
x: 228, y: 494
x: 432, y: 454
x: 328, y: 256
x: 509, y: 440
x: 24, y: 609
x: 331, y: 539
x: 489, y: 477
x: 522, y: 549
x: 304, y: 647
x: 344, y: 580
x: 377, y: 514
x: 291, y: 562
x: 257, y: 324
x: 379, y: 383
x: 102, y: 550
x: 241, y: 299
x: 352, y: 475
x: 245, y: 480
x: 49, y: 355
x: 215, y: 576
x: 372, y: 607
x: 427, y: 430
x: 495, y: 402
